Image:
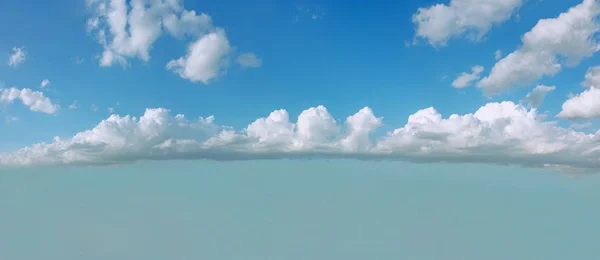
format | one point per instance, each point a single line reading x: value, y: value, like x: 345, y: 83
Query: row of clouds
x: 500, y: 133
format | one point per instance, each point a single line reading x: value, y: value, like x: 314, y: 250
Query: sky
x: 102, y: 82
x: 290, y: 209
x: 227, y: 129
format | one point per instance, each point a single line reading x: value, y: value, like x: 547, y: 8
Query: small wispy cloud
x: 10, y: 119
x: 73, y: 105
x: 79, y: 60
x: 17, y: 56
x: 45, y: 83
x: 249, y: 60
x: 313, y: 14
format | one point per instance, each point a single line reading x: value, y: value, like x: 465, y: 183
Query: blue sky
x: 342, y: 56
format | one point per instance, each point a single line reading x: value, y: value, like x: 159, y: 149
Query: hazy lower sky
x: 339, y: 209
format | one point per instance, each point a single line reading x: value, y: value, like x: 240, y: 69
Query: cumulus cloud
x: 34, y: 100
x: 466, y: 79
x: 128, y: 29
x: 582, y: 106
x: 45, y: 83
x: 125, y: 30
x: 537, y: 95
x: 592, y: 78
x: 206, y: 58
x: 249, y: 60
x: 17, y: 56
x: 499, y: 133
x: 550, y: 44
x: 439, y: 23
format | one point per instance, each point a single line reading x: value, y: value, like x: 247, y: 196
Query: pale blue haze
x: 298, y: 209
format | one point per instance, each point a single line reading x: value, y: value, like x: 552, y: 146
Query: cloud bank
x: 498, y: 133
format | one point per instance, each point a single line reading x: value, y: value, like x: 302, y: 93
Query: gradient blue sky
x: 383, y: 59
x: 344, y: 56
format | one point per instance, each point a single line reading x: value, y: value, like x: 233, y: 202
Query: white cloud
x: 439, y: 23
x: 45, y: 83
x: 466, y: 79
x: 583, y: 106
x: 535, y: 97
x: 73, y: 105
x: 551, y: 43
x: 592, y: 78
x: 498, y: 55
x: 124, y: 31
x: 111, y: 110
x: 34, y: 100
x: 359, y: 127
x: 128, y: 29
x: 94, y: 107
x: 206, y: 59
x: 249, y: 60
x: 17, y: 56
x: 188, y: 23
x: 499, y: 133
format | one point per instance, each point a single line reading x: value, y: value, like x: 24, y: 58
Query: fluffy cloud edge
x: 584, y: 105
x: 549, y: 46
x: 497, y: 133
x: 128, y: 30
x: 466, y: 79
x: 34, y: 100
x: 439, y: 23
